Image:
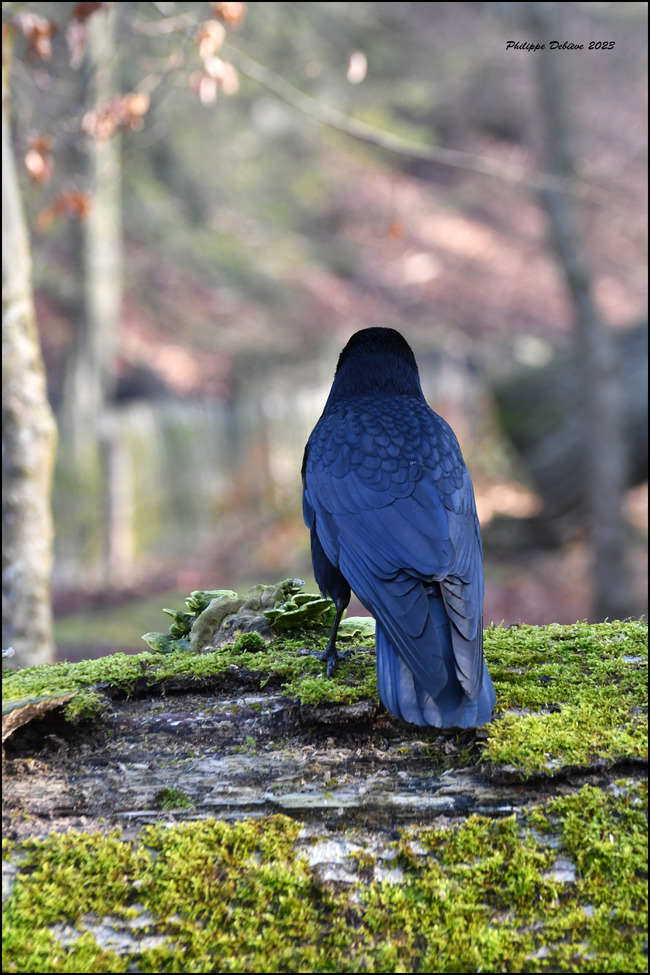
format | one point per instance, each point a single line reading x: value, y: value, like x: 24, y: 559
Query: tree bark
x: 612, y: 590
x: 28, y: 431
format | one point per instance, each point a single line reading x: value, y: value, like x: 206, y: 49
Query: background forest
x: 219, y: 194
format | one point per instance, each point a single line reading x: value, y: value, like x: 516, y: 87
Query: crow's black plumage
x: 390, y: 506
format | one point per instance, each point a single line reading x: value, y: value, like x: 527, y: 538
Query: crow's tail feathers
x: 405, y: 697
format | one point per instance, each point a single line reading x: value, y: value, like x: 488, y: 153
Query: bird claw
x: 333, y: 658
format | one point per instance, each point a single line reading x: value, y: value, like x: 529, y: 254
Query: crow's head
x: 376, y: 360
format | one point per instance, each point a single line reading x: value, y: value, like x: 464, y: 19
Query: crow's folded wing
x: 390, y: 498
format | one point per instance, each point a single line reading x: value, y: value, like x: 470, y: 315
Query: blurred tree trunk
x: 90, y: 378
x: 28, y: 430
x: 90, y: 383
x: 540, y: 409
x: 612, y: 590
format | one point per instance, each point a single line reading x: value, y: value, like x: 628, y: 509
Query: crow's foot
x: 333, y: 658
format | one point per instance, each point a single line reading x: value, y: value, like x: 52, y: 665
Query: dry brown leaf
x: 37, y: 31
x: 75, y: 203
x: 224, y: 73
x: 82, y: 11
x: 232, y: 14
x: 210, y: 38
x: 126, y: 112
x: 38, y: 161
x: 205, y: 87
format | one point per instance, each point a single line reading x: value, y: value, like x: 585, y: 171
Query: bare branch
x: 456, y: 158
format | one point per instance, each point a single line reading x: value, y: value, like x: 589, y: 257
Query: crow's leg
x: 332, y: 583
x: 330, y: 653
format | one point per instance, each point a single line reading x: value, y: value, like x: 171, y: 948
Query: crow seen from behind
x: 390, y: 506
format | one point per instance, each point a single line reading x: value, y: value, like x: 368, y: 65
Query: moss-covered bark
x: 519, y: 847
x: 557, y: 888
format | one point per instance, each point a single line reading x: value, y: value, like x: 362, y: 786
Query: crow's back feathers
x: 389, y: 498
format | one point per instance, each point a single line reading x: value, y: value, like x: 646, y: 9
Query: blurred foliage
x: 257, y: 238
x: 231, y: 205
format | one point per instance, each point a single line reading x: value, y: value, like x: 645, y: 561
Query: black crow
x: 390, y: 506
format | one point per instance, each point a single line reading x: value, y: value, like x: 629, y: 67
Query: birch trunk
x: 28, y: 431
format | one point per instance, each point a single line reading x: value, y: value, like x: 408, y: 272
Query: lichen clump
x: 217, y: 618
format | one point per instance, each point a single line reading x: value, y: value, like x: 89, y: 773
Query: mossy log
x: 238, y: 811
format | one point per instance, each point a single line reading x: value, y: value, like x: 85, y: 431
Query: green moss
x: 249, y: 746
x: 355, y: 679
x: 86, y: 704
x: 250, y: 642
x: 278, y: 659
x: 66, y: 877
x: 238, y: 897
x: 173, y: 799
x: 580, y: 692
x: 566, y: 695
